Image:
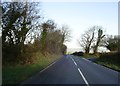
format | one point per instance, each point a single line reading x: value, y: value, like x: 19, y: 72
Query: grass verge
x: 109, y: 65
x: 110, y: 60
x: 90, y: 56
x: 18, y: 73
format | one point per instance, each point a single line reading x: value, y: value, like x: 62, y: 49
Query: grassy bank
x: 110, y: 60
x: 109, y: 65
x: 18, y: 73
x: 90, y: 56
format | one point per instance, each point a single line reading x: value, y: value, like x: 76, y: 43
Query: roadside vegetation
x: 18, y: 73
x: 90, y: 56
x: 94, y: 38
x: 29, y: 43
x: 110, y: 60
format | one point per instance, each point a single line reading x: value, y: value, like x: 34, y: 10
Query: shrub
x: 78, y: 53
x: 112, y: 57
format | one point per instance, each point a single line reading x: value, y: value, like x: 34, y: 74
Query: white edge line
x: 47, y: 67
x: 41, y: 71
x: 83, y: 77
x: 86, y: 59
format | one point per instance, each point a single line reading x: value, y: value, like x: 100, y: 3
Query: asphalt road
x: 73, y: 70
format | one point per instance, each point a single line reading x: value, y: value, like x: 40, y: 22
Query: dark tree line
x: 25, y: 31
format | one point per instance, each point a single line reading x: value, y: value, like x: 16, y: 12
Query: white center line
x: 83, y: 77
x: 75, y: 63
x: 81, y: 73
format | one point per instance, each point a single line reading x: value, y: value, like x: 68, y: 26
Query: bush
x: 78, y: 53
x: 112, y: 57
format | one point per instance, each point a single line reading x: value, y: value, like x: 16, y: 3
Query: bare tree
x: 100, y: 36
x: 65, y: 33
x: 87, y: 39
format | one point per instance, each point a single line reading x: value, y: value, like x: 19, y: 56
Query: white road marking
x: 42, y: 70
x: 83, y: 77
x: 86, y: 60
x: 81, y: 73
x: 73, y: 59
x: 47, y: 67
x: 75, y: 63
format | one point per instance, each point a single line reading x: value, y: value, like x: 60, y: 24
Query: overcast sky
x: 79, y: 16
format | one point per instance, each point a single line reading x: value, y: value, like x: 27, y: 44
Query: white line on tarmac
x: 47, y: 67
x: 83, y: 77
x: 86, y: 82
x: 75, y: 63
